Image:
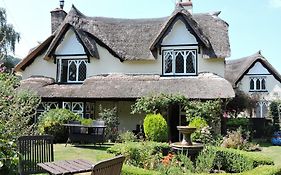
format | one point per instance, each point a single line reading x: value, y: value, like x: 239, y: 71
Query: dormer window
x: 71, y: 70
x: 180, y: 62
x: 258, y: 84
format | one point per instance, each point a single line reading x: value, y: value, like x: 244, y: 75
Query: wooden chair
x: 111, y: 166
x: 33, y: 150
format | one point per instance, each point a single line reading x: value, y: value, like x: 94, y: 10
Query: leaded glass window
x: 179, y: 62
x: 258, y: 83
x: 71, y: 70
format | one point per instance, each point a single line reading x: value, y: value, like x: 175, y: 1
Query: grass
x: 274, y: 152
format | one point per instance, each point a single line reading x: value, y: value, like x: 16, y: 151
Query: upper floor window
x: 258, y: 84
x: 72, y: 70
x: 180, y: 62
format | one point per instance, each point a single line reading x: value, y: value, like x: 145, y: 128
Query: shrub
x: 86, y: 121
x: 111, y: 121
x: 127, y: 136
x: 205, y: 160
x: 155, y: 128
x: 235, y: 140
x: 140, y: 154
x: 237, y: 161
x: 51, y: 123
x: 131, y: 170
x: 202, y: 133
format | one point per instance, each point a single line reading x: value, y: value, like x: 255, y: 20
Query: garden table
x: 67, y: 166
x: 85, y: 133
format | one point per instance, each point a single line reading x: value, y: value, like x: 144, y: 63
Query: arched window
x: 252, y: 84
x: 258, y: 84
x: 179, y: 63
x: 263, y: 87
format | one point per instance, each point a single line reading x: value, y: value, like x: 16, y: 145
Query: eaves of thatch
x: 120, y: 86
x: 236, y: 69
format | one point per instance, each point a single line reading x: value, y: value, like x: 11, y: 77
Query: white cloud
x: 275, y: 3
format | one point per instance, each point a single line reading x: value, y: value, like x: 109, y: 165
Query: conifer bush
x: 155, y: 128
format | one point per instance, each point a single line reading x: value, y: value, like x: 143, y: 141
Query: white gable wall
x: 40, y: 67
x: 179, y: 35
x: 70, y: 45
x: 272, y: 84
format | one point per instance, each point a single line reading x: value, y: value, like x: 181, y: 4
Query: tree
x: 8, y: 36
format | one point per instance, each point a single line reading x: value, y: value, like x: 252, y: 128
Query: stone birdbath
x: 186, y: 132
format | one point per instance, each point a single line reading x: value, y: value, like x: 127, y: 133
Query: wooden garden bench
x: 111, y: 166
x: 33, y: 150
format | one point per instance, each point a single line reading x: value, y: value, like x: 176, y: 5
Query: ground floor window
x: 261, y: 109
x: 76, y: 107
x: 45, y: 106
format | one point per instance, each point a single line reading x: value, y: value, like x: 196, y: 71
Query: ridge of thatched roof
x: 118, y: 86
x: 236, y: 69
x: 130, y: 39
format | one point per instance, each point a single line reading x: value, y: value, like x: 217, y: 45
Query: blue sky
x: 253, y: 24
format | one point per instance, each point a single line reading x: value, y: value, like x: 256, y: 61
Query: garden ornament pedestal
x: 186, y: 144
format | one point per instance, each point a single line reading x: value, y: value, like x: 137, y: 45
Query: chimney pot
x: 187, y: 4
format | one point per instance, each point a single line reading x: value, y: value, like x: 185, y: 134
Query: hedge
x: 238, y: 161
x: 261, y: 170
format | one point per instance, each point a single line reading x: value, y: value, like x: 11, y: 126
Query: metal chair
x: 111, y: 166
x: 33, y: 150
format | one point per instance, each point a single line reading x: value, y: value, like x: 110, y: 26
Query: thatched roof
x: 120, y: 86
x: 236, y: 69
x: 136, y: 39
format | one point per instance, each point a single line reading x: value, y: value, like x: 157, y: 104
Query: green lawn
x: 272, y: 151
x: 92, y: 153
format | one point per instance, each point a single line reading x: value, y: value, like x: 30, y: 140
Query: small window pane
x: 64, y: 70
x: 190, y: 63
x: 82, y: 71
x: 263, y: 84
x: 72, y: 71
x: 179, y: 63
x: 258, y: 84
x: 252, y: 86
x: 168, y: 62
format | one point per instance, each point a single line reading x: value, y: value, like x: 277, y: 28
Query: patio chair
x: 33, y: 150
x: 74, y: 133
x: 111, y: 166
x: 98, y: 131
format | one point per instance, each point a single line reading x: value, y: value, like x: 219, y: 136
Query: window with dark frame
x: 180, y: 62
x: 72, y: 70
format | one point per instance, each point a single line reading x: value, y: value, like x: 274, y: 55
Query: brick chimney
x: 187, y: 4
x: 57, y: 17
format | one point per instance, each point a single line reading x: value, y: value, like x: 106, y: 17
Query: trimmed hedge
x: 261, y: 170
x: 239, y: 161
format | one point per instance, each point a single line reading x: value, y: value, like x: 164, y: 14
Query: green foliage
x: 237, y: 122
x: 157, y: 103
x: 86, y: 121
x: 241, y: 102
x: 233, y: 160
x: 274, y: 112
x: 131, y: 170
x: 202, y: 133
x: 155, y: 128
x: 8, y: 36
x: 140, y: 154
x: 111, y: 120
x: 127, y: 136
x: 205, y: 160
x: 51, y: 123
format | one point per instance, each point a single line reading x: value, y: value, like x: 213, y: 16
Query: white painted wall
x: 127, y: 120
x: 258, y: 69
x: 179, y: 35
x: 40, y: 67
x: 69, y: 45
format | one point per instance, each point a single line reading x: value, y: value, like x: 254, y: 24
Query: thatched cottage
x: 91, y: 61
x: 256, y: 77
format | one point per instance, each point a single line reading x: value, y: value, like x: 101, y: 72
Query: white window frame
x: 184, y: 52
x: 72, y: 105
x: 255, y: 79
x: 77, y: 60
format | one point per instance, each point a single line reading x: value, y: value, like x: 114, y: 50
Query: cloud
x: 275, y: 3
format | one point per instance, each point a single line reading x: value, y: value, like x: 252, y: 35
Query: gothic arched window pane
x: 82, y: 71
x: 263, y: 87
x: 258, y: 84
x: 190, y: 63
x: 179, y: 63
x: 252, y: 86
x: 72, y: 71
